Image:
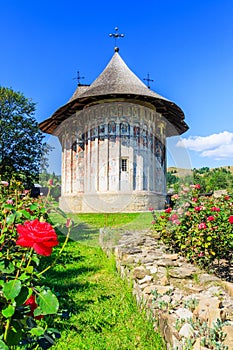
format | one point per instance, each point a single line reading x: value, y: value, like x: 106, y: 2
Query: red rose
x: 210, y: 218
x: 168, y: 210
x: 33, y: 305
x: 230, y: 219
x: 198, y: 186
x: 37, y: 235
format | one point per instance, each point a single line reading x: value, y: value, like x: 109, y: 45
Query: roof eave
x: 168, y: 109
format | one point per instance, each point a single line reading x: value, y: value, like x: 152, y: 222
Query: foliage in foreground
x: 25, y: 301
x: 199, y: 227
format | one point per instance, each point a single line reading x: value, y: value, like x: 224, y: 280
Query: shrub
x: 199, y: 227
x: 25, y: 302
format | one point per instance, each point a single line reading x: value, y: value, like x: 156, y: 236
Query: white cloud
x: 216, y: 146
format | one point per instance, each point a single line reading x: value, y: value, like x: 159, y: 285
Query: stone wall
x: 192, y: 309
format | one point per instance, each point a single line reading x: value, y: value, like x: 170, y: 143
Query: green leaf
x: 38, y: 331
x: 3, y: 346
x: 34, y: 206
x: 11, y: 219
x: 26, y: 214
x: 8, y: 311
x: 24, y: 277
x: 11, y: 289
x: 6, y: 267
x: 47, y: 303
x: 29, y: 269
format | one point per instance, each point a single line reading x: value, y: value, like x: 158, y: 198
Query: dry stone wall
x: 192, y: 309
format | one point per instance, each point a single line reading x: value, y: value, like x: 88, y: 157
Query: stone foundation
x: 111, y: 202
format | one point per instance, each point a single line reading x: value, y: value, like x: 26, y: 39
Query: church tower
x: 113, y: 136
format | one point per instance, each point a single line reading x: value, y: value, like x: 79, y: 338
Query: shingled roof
x: 117, y: 81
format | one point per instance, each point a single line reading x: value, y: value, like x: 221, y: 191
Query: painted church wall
x: 113, y: 147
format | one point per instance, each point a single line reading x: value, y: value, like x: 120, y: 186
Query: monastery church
x: 113, y: 136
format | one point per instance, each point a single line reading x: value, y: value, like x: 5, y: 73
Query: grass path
x: 104, y: 315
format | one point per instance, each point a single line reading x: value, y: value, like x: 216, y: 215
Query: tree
x: 21, y: 141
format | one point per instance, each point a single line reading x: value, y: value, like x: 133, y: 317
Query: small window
x: 124, y: 165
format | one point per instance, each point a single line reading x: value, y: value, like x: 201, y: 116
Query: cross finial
x: 116, y: 35
x: 148, y: 80
x: 78, y: 78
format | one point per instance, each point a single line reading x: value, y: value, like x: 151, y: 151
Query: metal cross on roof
x: 116, y: 35
x: 148, y: 80
x: 78, y: 78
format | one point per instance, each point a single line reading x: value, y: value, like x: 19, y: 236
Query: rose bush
x: 25, y: 302
x: 199, y: 227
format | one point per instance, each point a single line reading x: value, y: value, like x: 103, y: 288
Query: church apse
x: 112, y: 149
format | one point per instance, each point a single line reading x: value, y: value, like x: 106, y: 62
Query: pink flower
x: 230, y: 219
x: 174, y: 217
x: 175, y: 196
x: 210, y: 218
x: 50, y: 182
x: 4, y: 183
x: 9, y: 201
x: 215, y: 209
x: 198, y: 186
x: 185, y: 189
x: 153, y: 222
x: 194, y: 199
x: 201, y: 254
x: 177, y: 222
x: 198, y: 208
x: 202, y: 226
x: 168, y: 210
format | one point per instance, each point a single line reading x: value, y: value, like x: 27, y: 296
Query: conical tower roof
x: 117, y: 78
x: 117, y: 81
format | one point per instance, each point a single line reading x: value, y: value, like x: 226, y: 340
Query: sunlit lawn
x: 103, y: 313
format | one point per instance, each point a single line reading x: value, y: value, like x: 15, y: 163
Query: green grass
x: 86, y: 227
x: 104, y: 315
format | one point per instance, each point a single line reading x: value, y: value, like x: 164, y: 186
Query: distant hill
x: 182, y: 172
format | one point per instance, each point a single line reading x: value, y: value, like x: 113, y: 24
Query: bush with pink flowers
x: 25, y: 302
x: 199, y: 227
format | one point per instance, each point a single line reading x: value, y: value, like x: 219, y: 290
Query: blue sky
x: 186, y: 46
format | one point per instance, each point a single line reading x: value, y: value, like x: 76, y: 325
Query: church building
x: 113, y: 136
